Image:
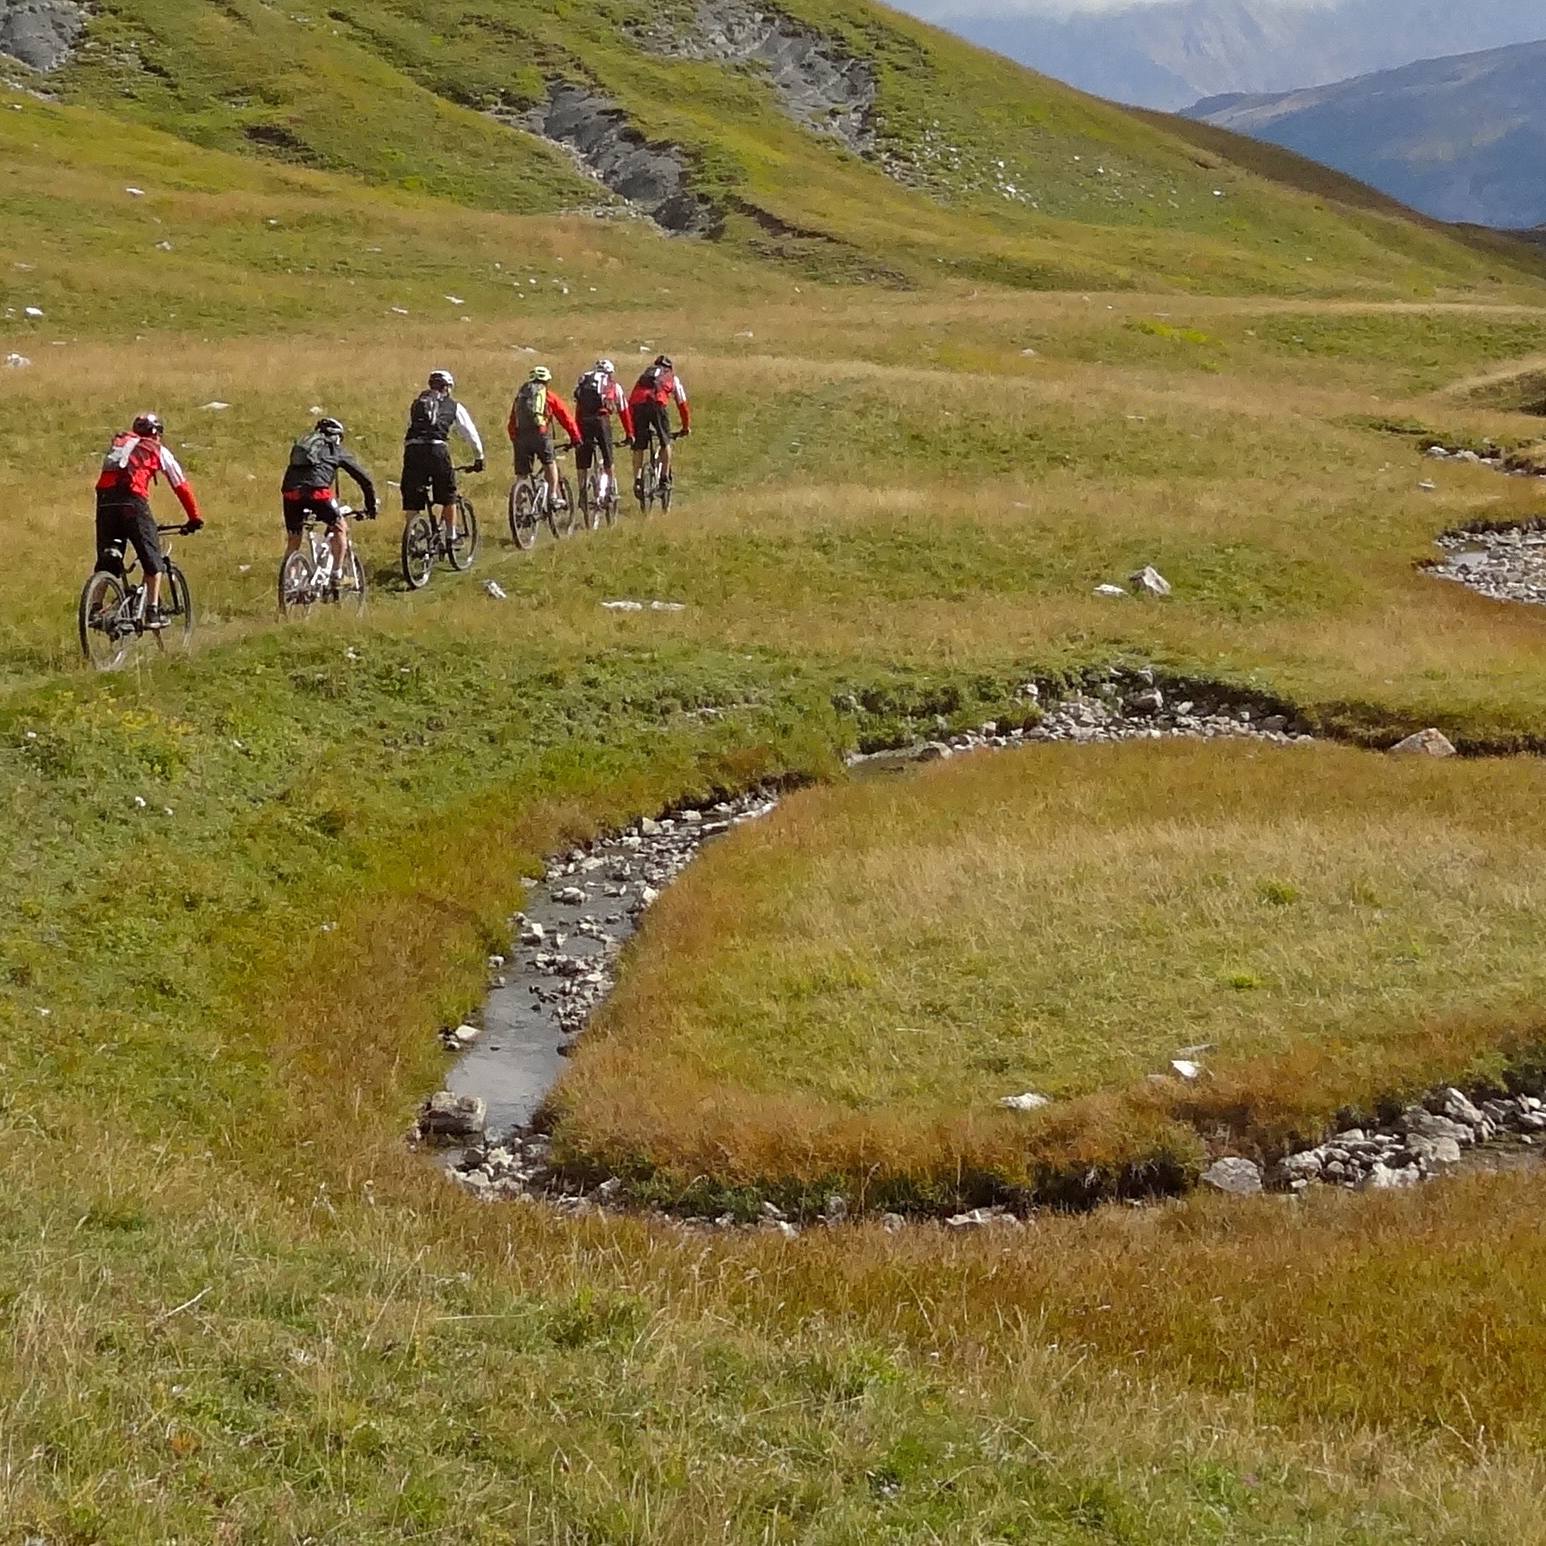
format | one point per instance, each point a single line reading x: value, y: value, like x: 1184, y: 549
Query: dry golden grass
x: 849, y: 989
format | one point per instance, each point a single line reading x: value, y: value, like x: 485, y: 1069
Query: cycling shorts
x: 531, y: 447
x: 595, y: 435
x: 650, y: 421
x: 317, y: 504
x: 126, y: 521
x: 428, y: 475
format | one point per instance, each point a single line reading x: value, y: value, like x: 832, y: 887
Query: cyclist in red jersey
x: 134, y: 461
x: 649, y: 404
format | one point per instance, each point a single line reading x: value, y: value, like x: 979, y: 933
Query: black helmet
x: 664, y: 361
x: 150, y: 425
x: 331, y: 428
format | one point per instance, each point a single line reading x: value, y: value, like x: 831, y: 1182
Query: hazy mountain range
x: 1170, y: 54
x: 1461, y: 138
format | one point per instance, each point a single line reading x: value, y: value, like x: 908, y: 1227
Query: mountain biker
x: 532, y: 413
x: 429, y: 479
x: 649, y: 401
x: 133, y: 462
x: 310, y: 489
x: 598, y: 399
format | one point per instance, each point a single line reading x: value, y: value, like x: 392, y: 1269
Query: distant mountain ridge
x: 1461, y: 139
x: 1170, y: 54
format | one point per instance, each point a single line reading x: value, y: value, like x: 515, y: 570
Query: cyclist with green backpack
x: 532, y: 414
x: 310, y: 490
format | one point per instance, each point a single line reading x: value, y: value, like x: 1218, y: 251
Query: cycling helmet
x: 606, y: 367
x: 664, y: 361
x: 331, y: 428
x: 442, y: 380
x: 150, y: 425
x: 542, y: 373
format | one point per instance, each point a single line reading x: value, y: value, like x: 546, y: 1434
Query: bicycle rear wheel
x: 464, y: 548
x: 106, y: 634
x: 418, y: 550
x: 295, y: 593
x: 523, y: 515
x: 667, y: 488
x: 590, y: 501
x: 177, y: 603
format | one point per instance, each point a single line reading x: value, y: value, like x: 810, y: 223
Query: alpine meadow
x: 1094, y: 461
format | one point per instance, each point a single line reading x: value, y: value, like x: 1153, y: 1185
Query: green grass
x: 235, y: 1307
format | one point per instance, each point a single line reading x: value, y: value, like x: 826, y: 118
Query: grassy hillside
x: 251, y: 885
x: 1006, y: 176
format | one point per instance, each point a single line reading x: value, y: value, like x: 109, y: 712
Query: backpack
x: 590, y: 397
x: 430, y: 417
x: 655, y: 379
x: 531, y: 406
x: 310, y: 452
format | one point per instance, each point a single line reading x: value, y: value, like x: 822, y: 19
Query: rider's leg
x: 338, y: 546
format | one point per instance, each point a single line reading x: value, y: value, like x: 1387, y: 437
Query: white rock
x: 33, y: 311
x: 623, y: 606
x: 216, y: 407
x: 17, y: 362
x: 464, y: 1035
x: 1030, y: 1101
x: 1383, y: 1179
x: 495, y: 589
x: 1186, y: 1068
x: 1109, y: 590
x: 1150, y: 581
x: 1428, y: 486
x: 1426, y: 743
x: 456, y: 300
x: 135, y: 193
x: 1239, y: 1177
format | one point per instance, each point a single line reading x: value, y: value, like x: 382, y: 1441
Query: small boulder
x: 1109, y: 590
x: 1030, y: 1101
x: 1150, y: 701
x: 1433, y: 1153
x: 1426, y: 743
x: 17, y: 362
x: 1148, y: 581
x: 1381, y: 1178
x: 1238, y: 1177
x: 448, y: 1118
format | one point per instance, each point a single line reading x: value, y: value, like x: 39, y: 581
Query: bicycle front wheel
x: 666, y: 490
x: 590, y: 501
x: 418, y: 551
x: 295, y: 593
x: 523, y: 515
x: 106, y: 632
x: 177, y: 603
x: 561, y: 522
x: 462, y: 549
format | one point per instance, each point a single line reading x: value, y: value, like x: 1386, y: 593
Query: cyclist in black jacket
x: 429, y: 478
x: 311, y: 489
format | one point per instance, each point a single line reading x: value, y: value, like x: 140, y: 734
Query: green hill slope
x: 842, y: 139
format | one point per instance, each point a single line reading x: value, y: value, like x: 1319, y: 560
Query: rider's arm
x: 470, y: 430
x: 560, y: 410
x: 619, y: 402
x: 348, y: 464
x: 682, y: 406
x: 179, y: 484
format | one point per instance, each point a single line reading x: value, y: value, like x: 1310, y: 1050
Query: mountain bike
x: 425, y: 540
x: 651, y: 485
x: 310, y: 576
x: 593, y: 507
x: 530, y: 504
x: 111, y: 617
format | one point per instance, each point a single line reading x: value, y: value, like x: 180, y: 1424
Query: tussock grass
x: 851, y: 987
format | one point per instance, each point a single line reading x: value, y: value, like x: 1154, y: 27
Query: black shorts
x: 317, y: 504
x: 595, y: 435
x: 532, y: 446
x: 428, y: 475
x: 650, y: 421
x: 129, y: 522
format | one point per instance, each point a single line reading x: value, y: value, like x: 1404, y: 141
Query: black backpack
x: 311, y: 452
x: 590, y: 398
x: 431, y: 417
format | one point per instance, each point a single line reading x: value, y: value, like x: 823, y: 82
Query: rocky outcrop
x: 817, y: 81
x: 653, y: 179
x: 40, y: 33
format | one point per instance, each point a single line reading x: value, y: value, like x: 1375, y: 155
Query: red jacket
x: 557, y: 409
x: 134, y: 462
x: 667, y: 388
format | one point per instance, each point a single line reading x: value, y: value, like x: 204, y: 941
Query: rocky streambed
x: 590, y: 901
x: 1504, y: 562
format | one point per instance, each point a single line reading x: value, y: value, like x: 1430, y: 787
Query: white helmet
x: 442, y: 378
x: 606, y: 367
